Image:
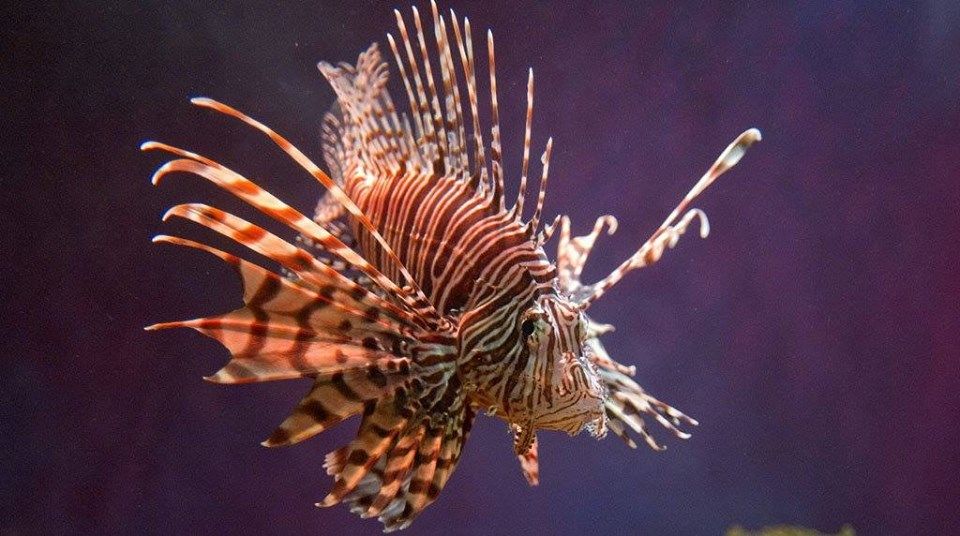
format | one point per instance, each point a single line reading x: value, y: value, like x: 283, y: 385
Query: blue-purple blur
x: 815, y: 334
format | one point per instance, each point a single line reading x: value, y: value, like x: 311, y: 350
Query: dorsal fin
x: 436, y: 113
x: 525, y: 165
x: 469, y: 72
x: 453, y: 106
x: 496, y: 149
x: 439, y: 110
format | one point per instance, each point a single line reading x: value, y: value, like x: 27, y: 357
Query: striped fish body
x: 476, y: 261
x: 431, y: 210
x: 476, y: 266
x: 479, y: 268
x: 418, y: 295
x: 448, y: 238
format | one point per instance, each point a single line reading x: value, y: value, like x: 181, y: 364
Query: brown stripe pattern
x: 417, y: 295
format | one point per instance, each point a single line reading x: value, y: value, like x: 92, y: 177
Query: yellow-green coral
x: 786, y: 530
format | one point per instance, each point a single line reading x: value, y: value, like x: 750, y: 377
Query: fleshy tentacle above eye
x: 572, y: 253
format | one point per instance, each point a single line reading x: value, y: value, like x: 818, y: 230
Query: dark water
x: 815, y: 334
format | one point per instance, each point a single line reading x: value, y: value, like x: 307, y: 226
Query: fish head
x: 570, y: 394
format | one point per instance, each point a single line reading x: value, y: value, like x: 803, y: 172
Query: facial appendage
x: 569, y: 393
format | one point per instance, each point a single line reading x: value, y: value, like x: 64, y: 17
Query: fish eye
x: 527, y: 327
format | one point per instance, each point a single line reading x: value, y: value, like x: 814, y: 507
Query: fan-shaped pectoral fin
x: 627, y: 404
x: 406, y: 449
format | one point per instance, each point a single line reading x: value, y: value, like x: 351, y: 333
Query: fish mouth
x: 597, y: 427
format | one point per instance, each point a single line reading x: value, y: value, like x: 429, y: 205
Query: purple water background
x: 815, y: 334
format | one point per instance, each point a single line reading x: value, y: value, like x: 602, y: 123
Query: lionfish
x: 418, y: 295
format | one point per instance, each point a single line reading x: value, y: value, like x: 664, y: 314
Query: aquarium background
x: 815, y: 334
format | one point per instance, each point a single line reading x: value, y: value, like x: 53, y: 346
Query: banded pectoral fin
x: 294, y: 328
x: 627, y: 404
x: 405, y: 450
x: 355, y: 347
